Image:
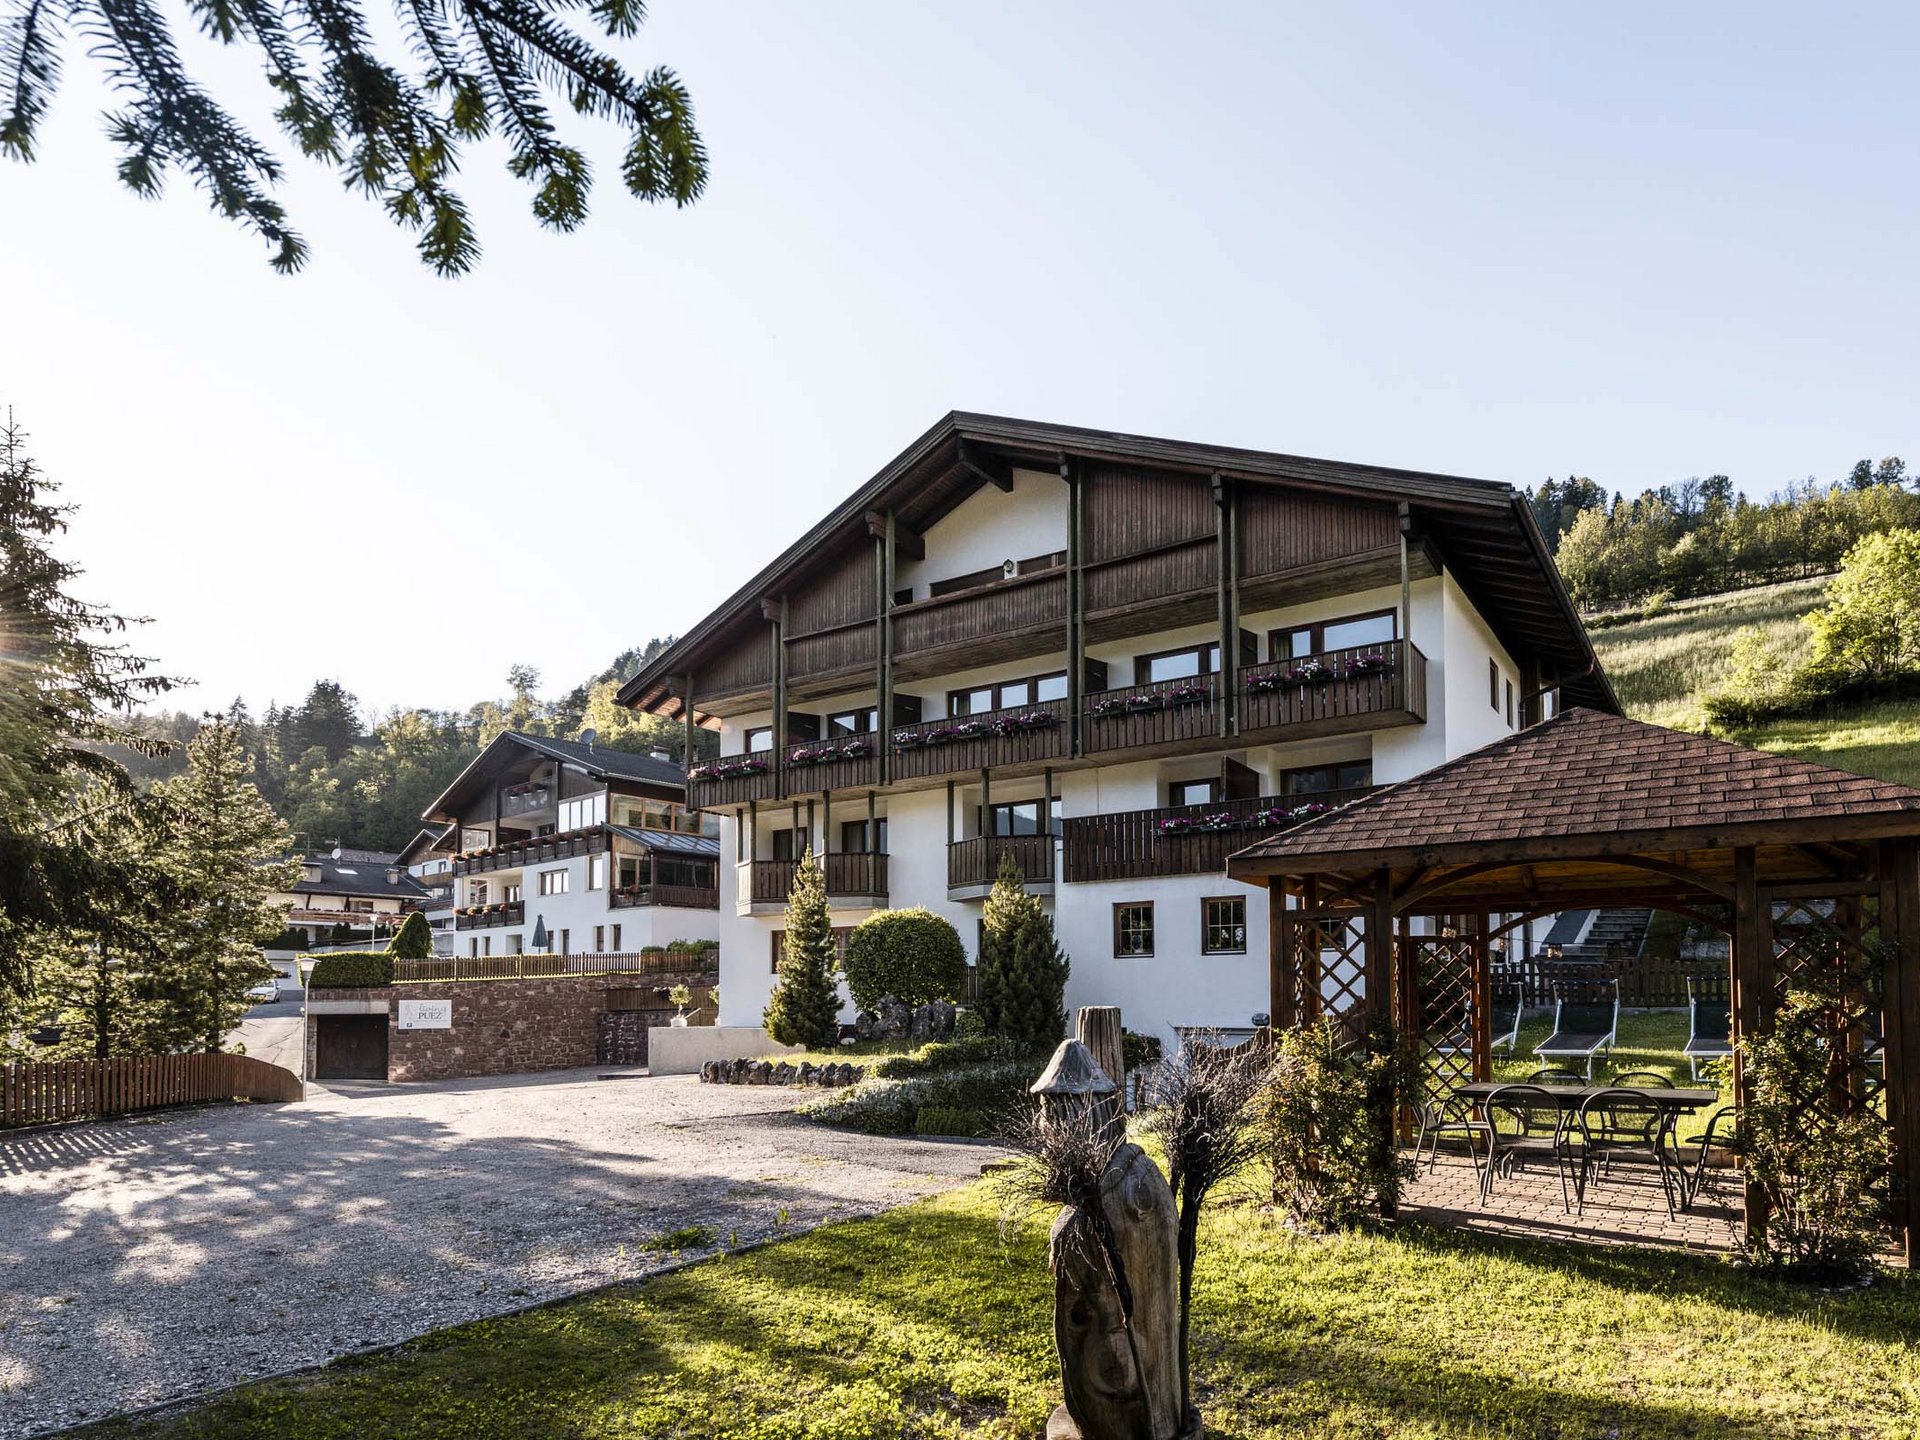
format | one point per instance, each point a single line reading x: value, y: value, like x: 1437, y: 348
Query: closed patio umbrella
x: 541, y: 940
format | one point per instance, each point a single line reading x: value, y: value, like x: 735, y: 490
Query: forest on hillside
x: 338, y: 776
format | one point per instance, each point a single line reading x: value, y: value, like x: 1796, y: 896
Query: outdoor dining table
x: 1572, y: 1097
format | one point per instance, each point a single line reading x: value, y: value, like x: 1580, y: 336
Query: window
x: 599, y: 939
x: 1313, y: 779
x: 471, y: 838
x: 1223, y: 925
x: 840, y: 934
x: 1016, y: 817
x: 566, y: 942
x: 787, y: 844
x: 511, y: 893
x: 853, y: 722
x: 1133, y: 929
x: 853, y: 837
x: 1007, y: 695
x: 473, y: 949
x: 596, y: 872
x: 1193, y: 792
x: 1184, y: 664
x: 759, y: 739
x: 553, y: 882
x: 477, y: 892
x: 516, y: 945
x: 587, y: 811
x: 1509, y: 704
x: 616, y: 939
x: 1493, y: 682
x: 486, y: 945
x: 1296, y: 642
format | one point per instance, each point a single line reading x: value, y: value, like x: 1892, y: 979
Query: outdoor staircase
x: 1620, y: 933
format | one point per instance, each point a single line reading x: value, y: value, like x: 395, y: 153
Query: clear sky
x: 1633, y: 242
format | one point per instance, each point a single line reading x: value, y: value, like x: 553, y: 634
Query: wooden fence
x: 49, y: 1091
x: 1644, y: 984
x: 542, y: 965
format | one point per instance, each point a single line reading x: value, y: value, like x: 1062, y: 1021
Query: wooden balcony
x: 1024, y: 735
x: 525, y: 800
x: 731, y: 781
x: 973, y: 865
x: 1169, y: 714
x: 817, y: 767
x: 1184, y: 839
x: 1369, y: 687
x: 520, y: 853
x: 512, y: 912
x: 854, y: 879
x: 991, y: 622
x: 681, y: 897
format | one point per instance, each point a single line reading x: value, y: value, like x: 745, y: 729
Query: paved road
x: 181, y: 1252
x: 273, y: 1033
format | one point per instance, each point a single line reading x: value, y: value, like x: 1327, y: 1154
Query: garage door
x: 350, y: 1047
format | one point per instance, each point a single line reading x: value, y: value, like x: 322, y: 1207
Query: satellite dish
x: 588, y: 736
x: 1009, y: 569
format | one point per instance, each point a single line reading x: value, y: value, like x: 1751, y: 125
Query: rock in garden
x: 865, y: 1025
x: 783, y: 1073
x: 940, y: 1021
x: 895, y: 1019
x: 804, y: 1075
x: 763, y: 1073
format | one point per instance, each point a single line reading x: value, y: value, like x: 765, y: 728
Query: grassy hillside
x: 1663, y: 665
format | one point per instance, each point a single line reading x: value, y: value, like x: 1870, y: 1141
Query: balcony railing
x: 1320, y: 691
x: 976, y: 862
x: 848, y: 875
x: 1019, y: 735
x: 1184, y: 839
x: 684, y: 897
x: 508, y: 912
x: 515, y: 854
x: 1164, y: 713
x: 732, y: 780
x: 817, y: 766
x: 522, y: 802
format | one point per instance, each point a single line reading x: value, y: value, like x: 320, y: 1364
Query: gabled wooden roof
x: 1484, y: 528
x: 1587, y: 783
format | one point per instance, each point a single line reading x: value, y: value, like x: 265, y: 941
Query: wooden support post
x: 753, y: 832
x: 1752, y: 974
x: 1899, y: 869
x: 1223, y: 604
x: 873, y: 824
x: 949, y: 812
x: 1482, y: 999
x: 883, y: 741
x: 1378, y: 956
x: 686, y: 757
x: 1076, y: 637
x: 1280, y: 959
x: 1406, y: 576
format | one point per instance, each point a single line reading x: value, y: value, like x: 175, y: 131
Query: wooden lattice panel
x: 1444, y: 991
x: 1830, y: 944
x: 1329, y: 972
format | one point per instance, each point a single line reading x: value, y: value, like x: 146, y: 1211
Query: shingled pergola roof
x: 1586, y: 783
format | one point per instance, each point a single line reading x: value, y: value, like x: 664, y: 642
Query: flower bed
x: 824, y: 751
x: 1222, y: 820
x: 729, y: 766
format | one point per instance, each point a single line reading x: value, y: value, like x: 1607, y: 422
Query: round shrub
x: 913, y: 955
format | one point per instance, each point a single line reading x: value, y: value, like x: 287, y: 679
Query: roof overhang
x: 1488, y: 525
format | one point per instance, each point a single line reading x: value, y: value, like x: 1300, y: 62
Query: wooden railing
x: 819, y: 776
x: 511, y: 912
x: 992, y: 612
x: 1018, y: 735
x: 1645, y: 984
x: 47, y: 1092
x: 1184, y: 839
x: 1163, y: 713
x: 977, y: 861
x: 544, y: 965
x: 515, y: 854
x: 1366, y: 681
x: 713, y: 792
x: 850, y: 873
x: 685, y: 897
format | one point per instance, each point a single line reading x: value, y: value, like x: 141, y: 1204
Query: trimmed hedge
x: 945, y: 1055
x: 350, y: 970
x: 937, y: 1120
x: 892, y: 1107
x: 913, y: 955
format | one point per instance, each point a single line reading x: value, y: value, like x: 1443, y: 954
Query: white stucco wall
x: 580, y: 910
x: 989, y: 527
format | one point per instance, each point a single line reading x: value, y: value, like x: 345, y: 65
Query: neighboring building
x: 1118, y: 660
x: 428, y: 858
x: 350, y: 896
x: 559, y: 845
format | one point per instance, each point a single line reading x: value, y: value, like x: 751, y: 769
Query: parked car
x: 265, y: 993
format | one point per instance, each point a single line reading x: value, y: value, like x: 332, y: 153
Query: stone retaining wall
x: 509, y: 1027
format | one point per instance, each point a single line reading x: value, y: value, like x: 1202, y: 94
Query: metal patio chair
x: 1718, y: 1134
x: 1616, y: 1124
x: 1451, y: 1115
x: 1709, y: 1028
x: 1582, y: 1030
x: 1505, y: 1016
x: 1524, y: 1123
x: 1556, y: 1077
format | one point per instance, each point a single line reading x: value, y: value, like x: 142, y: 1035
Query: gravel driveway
x: 147, y: 1259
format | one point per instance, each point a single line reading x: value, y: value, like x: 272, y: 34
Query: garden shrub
x: 1140, y: 1051
x: 805, y: 1006
x: 1329, y: 1121
x: 1023, y: 970
x: 413, y: 940
x: 913, y: 955
x: 943, y: 1055
x: 350, y: 969
x: 891, y: 1107
x: 1818, y: 1171
x: 943, y: 1120
x: 968, y: 1025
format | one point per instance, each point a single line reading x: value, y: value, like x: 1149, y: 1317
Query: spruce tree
x: 805, y: 1006
x: 391, y: 113
x: 413, y: 940
x: 1023, y: 971
x: 226, y: 851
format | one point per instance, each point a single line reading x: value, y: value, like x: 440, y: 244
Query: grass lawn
x: 1881, y: 739
x: 930, y: 1321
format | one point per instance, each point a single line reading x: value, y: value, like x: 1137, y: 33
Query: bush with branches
x: 913, y: 955
x: 413, y: 940
x: 1328, y: 1119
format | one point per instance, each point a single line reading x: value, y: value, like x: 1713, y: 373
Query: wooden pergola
x: 1392, y: 904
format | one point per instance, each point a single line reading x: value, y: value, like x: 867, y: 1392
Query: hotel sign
x: 426, y: 1015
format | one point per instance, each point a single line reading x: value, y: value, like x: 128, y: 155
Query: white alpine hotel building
x: 1119, y: 659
